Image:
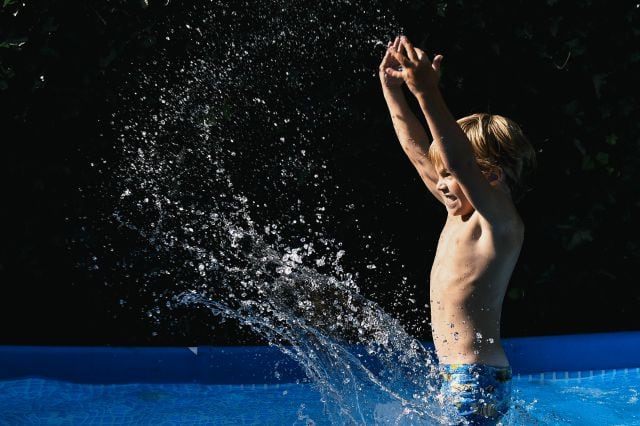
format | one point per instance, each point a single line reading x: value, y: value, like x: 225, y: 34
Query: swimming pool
x: 591, y: 379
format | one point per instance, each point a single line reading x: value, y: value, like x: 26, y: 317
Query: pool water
x: 43, y: 401
x: 576, y: 398
x: 595, y: 398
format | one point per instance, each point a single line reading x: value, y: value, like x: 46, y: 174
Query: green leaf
x: 15, y: 43
x: 598, y: 81
x: 612, y: 139
x: 602, y: 158
x: 8, y: 3
x: 547, y: 275
x: 576, y: 46
x: 571, y: 108
x: 608, y: 274
x: 579, y: 237
x: 588, y: 163
x: 6, y: 72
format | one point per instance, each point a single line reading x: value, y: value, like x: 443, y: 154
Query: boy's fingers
x: 408, y: 47
x: 393, y: 73
x: 402, y: 60
x: 396, y: 44
x: 389, y: 54
x: 385, y: 60
x: 437, y: 61
x: 422, y: 56
x: 420, y: 52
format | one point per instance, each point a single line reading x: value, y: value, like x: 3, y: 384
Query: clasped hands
x: 404, y: 63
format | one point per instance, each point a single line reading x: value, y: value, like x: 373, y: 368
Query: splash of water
x: 226, y: 150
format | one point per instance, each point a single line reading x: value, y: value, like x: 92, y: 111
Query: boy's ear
x: 495, y: 175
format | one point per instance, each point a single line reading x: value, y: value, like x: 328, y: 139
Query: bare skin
x: 482, y: 237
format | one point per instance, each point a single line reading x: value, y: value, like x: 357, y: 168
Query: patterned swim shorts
x: 478, y: 393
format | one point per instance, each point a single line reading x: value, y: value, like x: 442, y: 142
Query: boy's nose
x: 440, y: 186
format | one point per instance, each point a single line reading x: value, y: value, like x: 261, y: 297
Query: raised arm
x: 412, y: 136
x: 457, y: 155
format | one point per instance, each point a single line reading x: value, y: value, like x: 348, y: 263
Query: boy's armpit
x: 428, y: 175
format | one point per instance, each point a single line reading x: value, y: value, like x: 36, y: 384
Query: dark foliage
x: 566, y: 71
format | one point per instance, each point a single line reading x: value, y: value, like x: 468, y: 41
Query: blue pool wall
x: 266, y: 365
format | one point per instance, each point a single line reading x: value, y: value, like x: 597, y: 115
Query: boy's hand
x: 420, y: 74
x: 389, y: 61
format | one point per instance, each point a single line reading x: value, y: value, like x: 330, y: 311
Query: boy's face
x: 454, y: 199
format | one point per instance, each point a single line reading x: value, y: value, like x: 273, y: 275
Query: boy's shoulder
x: 508, y: 224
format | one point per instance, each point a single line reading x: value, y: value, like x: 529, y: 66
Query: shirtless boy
x: 473, y: 167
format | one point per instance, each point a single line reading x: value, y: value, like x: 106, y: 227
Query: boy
x: 473, y: 167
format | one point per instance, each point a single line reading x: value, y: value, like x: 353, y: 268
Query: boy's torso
x: 470, y: 273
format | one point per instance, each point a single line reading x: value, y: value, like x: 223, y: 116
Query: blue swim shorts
x: 478, y: 393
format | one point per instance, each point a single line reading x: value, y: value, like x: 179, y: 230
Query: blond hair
x: 497, y: 143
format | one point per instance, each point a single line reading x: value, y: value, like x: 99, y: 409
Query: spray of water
x: 225, y: 153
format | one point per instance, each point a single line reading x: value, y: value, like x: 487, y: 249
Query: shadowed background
x: 565, y: 72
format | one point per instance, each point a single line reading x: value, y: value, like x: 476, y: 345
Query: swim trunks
x: 478, y: 393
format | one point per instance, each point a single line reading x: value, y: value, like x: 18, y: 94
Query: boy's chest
x: 458, y: 249
x: 459, y: 237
